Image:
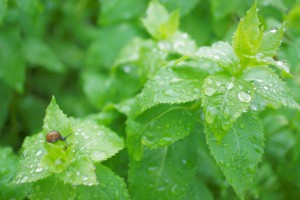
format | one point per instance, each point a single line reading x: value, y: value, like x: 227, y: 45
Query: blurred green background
x: 67, y: 48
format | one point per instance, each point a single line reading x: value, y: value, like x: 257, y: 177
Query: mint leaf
x: 94, y: 141
x: 164, y: 173
x: 52, y: 188
x: 171, y: 85
x: 224, y: 100
x: 12, y: 70
x: 30, y: 167
x: 118, y: 10
x: 3, y: 7
x: 56, y: 120
x: 271, y: 41
x: 110, y: 187
x: 239, y: 152
x: 270, y: 86
x: 8, y: 167
x: 185, y: 7
x: 57, y: 157
x: 248, y: 37
x: 159, y: 126
x: 6, y: 96
x: 79, y: 172
x: 41, y: 54
x: 223, y: 54
x: 198, y: 191
x: 159, y: 23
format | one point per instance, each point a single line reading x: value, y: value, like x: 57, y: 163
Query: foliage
x: 169, y: 99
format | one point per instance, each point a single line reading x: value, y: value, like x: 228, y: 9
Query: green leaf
x: 171, y: 85
x: 270, y: 86
x: 164, y: 173
x: 184, y: 6
x: 30, y: 166
x: 110, y: 187
x: 248, y: 36
x: 159, y: 23
x: 79, y: 172
x: 222, y: 8
x: 223, y: 54
x: 224, y: 100
x: 271, y: 41
x: 3, y: 7
x: 159, y: 126
x: 41, y: 54
x: 94, y: 141
x: 8, y: 167
x: 57, y: 158
x: 56, y: 120
x: 52, y: 188
x: 5, y: 99
x: 198, y: 191
x: 182, y: 43
x: 109, y: 42
x: 239, y: 152
x: 12, y: 70
x: 118, y: 10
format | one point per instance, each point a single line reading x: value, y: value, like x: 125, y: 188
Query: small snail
x: 54, y: 136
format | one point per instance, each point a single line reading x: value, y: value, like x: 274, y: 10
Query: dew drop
x: 244, y: 97
x: 216, y: 57
x: 209, y: 81
x: 85, y: 177
x: 39, y: 152
x: 170, y: 93
x: 230, y: 85
x: 218, y: 83
x: 274, y: 30
x: 39, y: 169
x: 24, y: 179
x: 175, y: 80
x: 69, y: 174
x: 225, y: 126
x: 78, y: 173
x: 58, y: 161
x: 98, y: 155
x: 209, y: 91
x: 266, y: 87
x: 211, y: 114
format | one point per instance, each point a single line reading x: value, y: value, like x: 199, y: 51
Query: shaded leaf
x: 159, y: 126
x: 164, y: 173
x: 8, y: 168
x: 12, y: 70
x: 41, y: 54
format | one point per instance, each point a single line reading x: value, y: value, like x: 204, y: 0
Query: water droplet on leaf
x: 209, y: 91
x: 39, y: 152
x: 244, y: 97
x: 85, y: 177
